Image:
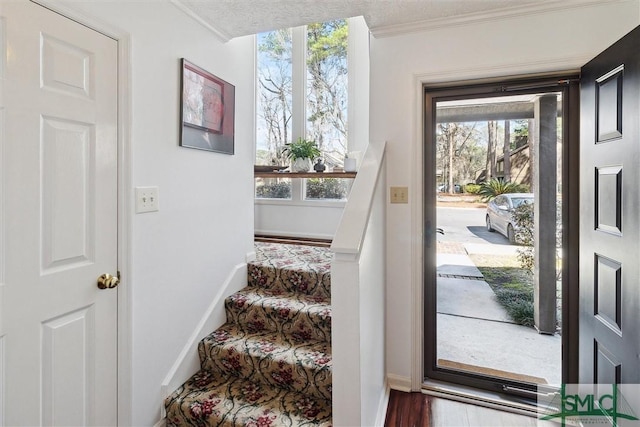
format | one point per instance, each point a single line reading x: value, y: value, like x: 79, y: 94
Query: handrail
x: 353, y: 225
x: 358, y: 272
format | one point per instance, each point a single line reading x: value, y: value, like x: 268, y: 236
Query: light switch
x: 146, y: 199
x: 399, y: 194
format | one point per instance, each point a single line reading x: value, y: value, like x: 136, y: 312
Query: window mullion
x: 297, y: 186
x: 299, y: 95
x: 299, y: 83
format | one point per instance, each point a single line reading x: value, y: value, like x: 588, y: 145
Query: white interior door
x: 58, y: 121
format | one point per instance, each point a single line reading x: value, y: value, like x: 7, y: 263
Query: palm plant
x: 495, y: 187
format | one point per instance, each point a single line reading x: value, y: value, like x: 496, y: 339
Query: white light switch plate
x: 146, y: 199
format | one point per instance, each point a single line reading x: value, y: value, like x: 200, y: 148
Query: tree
x: 532, y: 141
x: 275, y: 91
x: 327, y: 91
x: 507, y: 151
x: 520, y: 132
x: 492, y: 142
x: 458, y: 152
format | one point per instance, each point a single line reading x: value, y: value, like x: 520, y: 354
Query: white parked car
x: 499, y: 213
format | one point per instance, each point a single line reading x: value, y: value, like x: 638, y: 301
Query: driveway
x: 473, y: 328
x: 467, y: 225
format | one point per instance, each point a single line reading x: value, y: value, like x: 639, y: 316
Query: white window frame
x: 299, y: 115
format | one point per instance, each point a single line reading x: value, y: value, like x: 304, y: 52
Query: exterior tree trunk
x: 533, y: 175
x: 451, y: 145
x: 507, y: 151
x: 492, y: 128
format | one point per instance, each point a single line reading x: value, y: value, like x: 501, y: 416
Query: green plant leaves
x: 301, y: 149
x: 495, y: 187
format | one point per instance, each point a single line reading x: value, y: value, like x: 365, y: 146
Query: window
x: 302, y: 92
x: 275, y: 91
x: 326, y: 103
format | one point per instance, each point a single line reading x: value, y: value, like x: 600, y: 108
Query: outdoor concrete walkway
x: 455, y: 264
x: 474, y: 329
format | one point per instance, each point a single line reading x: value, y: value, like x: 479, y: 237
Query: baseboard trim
x: 187, y: 362
x: 381, y: 416
x: 398, y: 382
x: 161, y: 423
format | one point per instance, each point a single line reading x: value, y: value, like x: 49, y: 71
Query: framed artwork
x: 207, y: 110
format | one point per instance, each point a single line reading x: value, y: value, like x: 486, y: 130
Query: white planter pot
x: 350, y: 164
x: 301, y: 165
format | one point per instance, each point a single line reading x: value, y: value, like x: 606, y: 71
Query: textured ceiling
x: 234, y: 18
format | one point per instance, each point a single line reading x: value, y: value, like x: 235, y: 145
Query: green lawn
x: 512, y: 285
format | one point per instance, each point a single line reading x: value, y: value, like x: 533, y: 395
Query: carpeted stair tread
x: 270, y: 364
x: 271, y: 358
x: 294, y: 257
x: 290, y: 313
x: 292, y: 268
x: 214, y: 399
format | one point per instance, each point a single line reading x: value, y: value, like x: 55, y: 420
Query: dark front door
x: 610, y: 215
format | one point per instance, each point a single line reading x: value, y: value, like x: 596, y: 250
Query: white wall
x: 320, y: 220
x: 182, y: 254
x: 304, y: 219
x: 372, y: 310
x: 561, y: 40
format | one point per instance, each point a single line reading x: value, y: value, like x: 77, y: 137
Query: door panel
x: 59, y: 146
x: 609, y: 231
x: 68, y: 231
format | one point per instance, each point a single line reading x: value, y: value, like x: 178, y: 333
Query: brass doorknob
x: 107, y: 281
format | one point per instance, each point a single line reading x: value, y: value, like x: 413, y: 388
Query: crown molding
x: 220, y: 35
x: 542, y: 7
x: 571, y: 64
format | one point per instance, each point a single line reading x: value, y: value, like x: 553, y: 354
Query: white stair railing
x: 358, y: 277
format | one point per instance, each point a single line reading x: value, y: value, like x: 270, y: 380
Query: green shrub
x: 278, y: 190
x: 326, y: 188
x: 523, y: 219
x: 519, y: 304
x: 472, y: 188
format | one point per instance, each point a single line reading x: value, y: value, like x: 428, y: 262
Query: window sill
x: 304, y: 174
x: 303, y: 203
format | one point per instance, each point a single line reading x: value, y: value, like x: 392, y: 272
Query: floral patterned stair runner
x: 270, y: 364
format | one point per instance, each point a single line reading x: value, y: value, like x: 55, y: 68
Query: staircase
x: 270, y: 363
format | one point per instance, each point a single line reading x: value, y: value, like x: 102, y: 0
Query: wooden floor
x: 421, y: 410
x: 408, y: 410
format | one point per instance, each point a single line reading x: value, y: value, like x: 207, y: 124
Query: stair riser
x: 209, y: 404
x: 307, y: 371
x: 288, y: 280
x: 292, y: 318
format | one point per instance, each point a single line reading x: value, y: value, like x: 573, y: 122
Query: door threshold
x: 487, y: 399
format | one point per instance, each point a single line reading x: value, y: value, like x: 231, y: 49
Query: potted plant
x: 300, y: 153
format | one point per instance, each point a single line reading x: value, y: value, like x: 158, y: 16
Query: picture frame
x: 207, y: 110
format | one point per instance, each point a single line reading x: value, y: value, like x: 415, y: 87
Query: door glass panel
x: 499, y: 181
